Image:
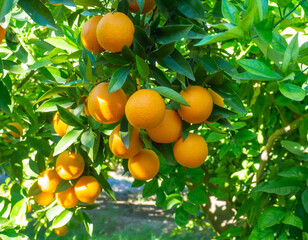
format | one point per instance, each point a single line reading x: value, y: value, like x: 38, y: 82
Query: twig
x: 270, y: 143
x: 284, y: 119
x: 31, y: 73
x: 297, y: 75
x: 152, y: 15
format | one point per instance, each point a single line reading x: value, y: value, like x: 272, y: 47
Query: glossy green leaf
x: 305, y: 200
x: 60, y: 42
x: 51, y: 105
x: 171, y: 33
x: 62, y: 219
x: 181, y: 217
x: 271, y: 217
x: 150, y: 188
x: 142, y: 67
x: 160, y: 76
x: 190, y: 208
x: 69, y: 118
x: 118, y: 79
x: 291, y: 54
x: 230, y: 12
x: 264, y: 29
x: 40, y: 145
x: 88, y: 223
x: 191, y: 8
x: 172, y: 201
x: 198, y: 195
x: 163, y: 51
x: 5, y: 99
x: 291, y: 219
x: 53, y: 212
x: 292, y: 91
x: 67, y: 140
x: 297, y: 173
x: 171, y: 94
x: 88, y: 139
x: 245, y: 135
x: 89, y: 3
x: 281, y: 186
x: 6, y: 6
x: 51, y: 92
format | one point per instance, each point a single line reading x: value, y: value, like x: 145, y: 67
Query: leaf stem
x: 30, y: 74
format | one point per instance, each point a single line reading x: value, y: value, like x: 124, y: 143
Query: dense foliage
x: 253, y: 53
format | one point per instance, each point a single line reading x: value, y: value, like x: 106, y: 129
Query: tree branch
x: 31, y: 73
x: 270, y: 143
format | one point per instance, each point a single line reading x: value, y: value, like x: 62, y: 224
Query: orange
x: 29, y: 208
x: 59, y: 126
x: 87, y: 189
x: 85, y: 107
x: 12, y: 132
x: 201, y: 104
x: 145, y: 109
x: 69, y: 165
x: 144, y: 165
x: 169, y: 130
x: 217, y: 99
x: 118, y: 148
x: 48, y: 180
x: 192, y: 152
x: 61, y: 231
x: 2, y: 34
x: 44, y: 198
x: 114, y: 31
x: 88, y: 35
x: 148, y: 6
x: 67, y: 198
x: 106, y: 107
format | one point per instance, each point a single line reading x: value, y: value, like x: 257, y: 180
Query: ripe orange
x: 217, y: 99
x: 59, y: 126
x: 44, y: 198
x: 201, y: 104
x: 118, y: 148
x: 145, y: 109
x: 85, y: 107
x: 148, y: 6
x: 69, y: 165
x: 2, y: 34
x: 87, y: 189
x: 13, y: 133
x: 192, y: 152
x: 169, y: 130
x: 67, y: 198
x: 144, y: 165
x: 48, y: 180
x: 61, y: 231
x: 29, y: 208
x: 114, y: 31
x: 88, y: 35
x: 106, y: 107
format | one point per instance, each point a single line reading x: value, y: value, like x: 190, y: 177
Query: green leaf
x: 18, y: 213
x: 177, y: 62
x: 215, y: 137
x: 6, y: 6
x: 262, y: 234
x: 60, y: 42
x: 291, y: 54
x: 88, y: 139
x: 69, y: 118
x: 258, y: 68
x: 51, y: 92
x: 297, y: 173
x: 271, y: 217
x: 231, y: 233
x: 246, y: 22
x: 118, y: 79
x: 163, y: 51
x: 245, y: 135
x: 171, y: 33
x: 198, y: 195
x: 191, y: 8
x: 89, y: 74
x: 51, y: 105
x: 38, y: 12
x: 143, y: 67
x: 190, y: 208
x: 88, y: 223
x: 281, y: 186
x: 5, y: 99
x: 40, y: 145
x: 264, y: 29
x: 293, y: 220
x: 181, y: 217
x: 172, y: 200
x: 105, y: 185
x: 195, y: 174
x: 171, y: 94
x: 140, y: 4
x: 67, y: 140
x: 53, y: 212
x: 89, y: 3
x: 305, y: 200
x: 150, y: 188
x: 292, y: 91
x: 230, y: 12
x: 13, y: 67
x: 62, y: 219
x: 160, y: 76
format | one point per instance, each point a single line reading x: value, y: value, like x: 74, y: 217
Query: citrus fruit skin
x: 144, y: 165
x: 59, y: 126
x: 61, y: 231
x: 106, y: 107
x: 192, y: 152
x: 2, y: 34
x: 13, y: 133
x: 88, y: 35
x: 217, y: 99
x: 85, y: 107
x: 114, y: 31
x: 69, y: 165
x: 67, y: 198
x: 87, y: 189
x: 148, y: 6
x: 48, y: 180
x: 44, y: 198
x: 145, y: 109
x: 169, y: 130
x: 118, y: 148
x: 201, y: 104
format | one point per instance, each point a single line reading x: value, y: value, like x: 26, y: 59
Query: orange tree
x: 203, y: 102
